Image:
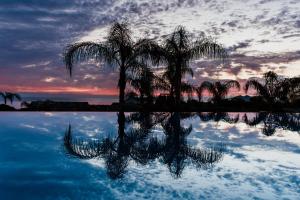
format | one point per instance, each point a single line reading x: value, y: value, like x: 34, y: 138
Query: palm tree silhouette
x: 145, y: 84
x: 177, y: 51
x: 119, y: 50
x: 275, y: 89
x: 10, y: 96
x: 218, y: 89
x: 2, y: 94
x: 289, y: 89
x: 269, y: 89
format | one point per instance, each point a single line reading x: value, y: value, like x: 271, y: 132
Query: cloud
x: 45, y: 63
x: 49, y: 79
x: 33, y: 34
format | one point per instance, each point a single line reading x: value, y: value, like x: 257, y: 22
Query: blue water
x: 255, y: 158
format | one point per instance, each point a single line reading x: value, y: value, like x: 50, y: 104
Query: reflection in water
x: 134, y: 143
x: 177, y: 153
x: 218, y: 116
x: 273, y: 121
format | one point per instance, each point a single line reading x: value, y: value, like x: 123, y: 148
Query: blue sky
x: 260, y: 35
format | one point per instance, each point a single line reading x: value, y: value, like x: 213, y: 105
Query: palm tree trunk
x: 5, y: 100
x: 178, y: 85
x: 121, y: 123
x: 122, y: 85
x: 142, y: 98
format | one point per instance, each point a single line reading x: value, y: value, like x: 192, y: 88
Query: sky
x: 260, y: 35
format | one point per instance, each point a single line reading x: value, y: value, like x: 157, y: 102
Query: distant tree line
x: 135, y: 58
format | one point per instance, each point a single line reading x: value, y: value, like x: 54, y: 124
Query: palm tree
x: 289, y: 89
x: 3, y: 96
x: 144, y: 84
x: 219, y: 90
x: 274, y: 89
x: 118, y: 50
x: 10, y: 96
x: 178, y: 50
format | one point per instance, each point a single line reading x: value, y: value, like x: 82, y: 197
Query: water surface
x: 149, y: 155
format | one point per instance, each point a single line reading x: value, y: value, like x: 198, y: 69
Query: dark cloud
x: 238, y: 62
x: 240, y: 45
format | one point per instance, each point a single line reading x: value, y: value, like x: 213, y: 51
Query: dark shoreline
x: 153, y: 108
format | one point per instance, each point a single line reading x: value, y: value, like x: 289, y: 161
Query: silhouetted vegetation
x: 175, y: 52
x: 135, y: 141
x: 138, y: 144
x: 274, y: 89
x: 8, y: 96
x: 218, y: 116
x: 273, y: 121
x: 218, y: 89
x: 118, y: 50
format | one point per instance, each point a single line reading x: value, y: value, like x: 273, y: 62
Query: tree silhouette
x: 275, y: 89
x: 4, y: 97
x: 145, y: 84
x: 10, y: 96
x: 177, y: 51
x: 289, y: 89
x: 218, y: 89
x: 118, y: 50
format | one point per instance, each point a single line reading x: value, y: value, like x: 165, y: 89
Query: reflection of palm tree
x: 177, y: 153
x: 115, y: 151
x: 119, y: 50
x: 135, y: 144
x: 177, y: 51
x: 272, y: 121
x: 218, y: 90
x: 10, y: 96
x: 218, y: 116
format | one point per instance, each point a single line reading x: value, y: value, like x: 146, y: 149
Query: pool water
x: 90, y: 155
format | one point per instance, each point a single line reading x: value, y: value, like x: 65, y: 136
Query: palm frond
x: 206, y: 85
x: 120, y: 35
x: 207, y: 48
x: 254, y: 84
x: 232, y: 84
x: 148, y: 50
x: 188, y: 88
x: 79, y: 148
x: 84, y: 51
